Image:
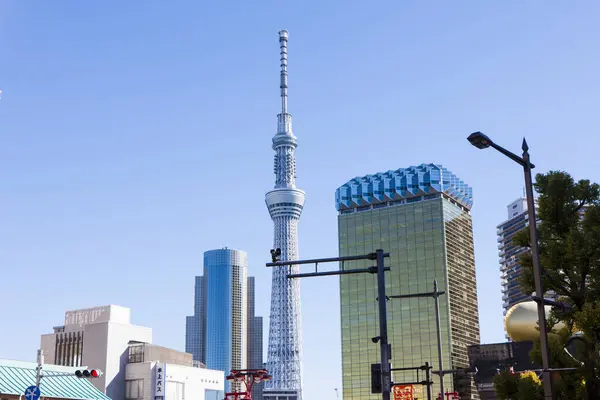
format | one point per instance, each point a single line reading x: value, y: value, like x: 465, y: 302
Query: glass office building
x: 420, y: 215
x: 223, y: 333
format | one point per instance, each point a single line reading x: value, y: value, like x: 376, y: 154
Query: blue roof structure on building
x: 58, y: 382
x: 401, y: 184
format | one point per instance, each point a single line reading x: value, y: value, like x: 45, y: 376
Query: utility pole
x: 40, y: 366
x: 378, y: 256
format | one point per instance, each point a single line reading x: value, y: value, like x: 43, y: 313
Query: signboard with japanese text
x: 160, y: 381
x: 403, y: 392
x: 418, y: 391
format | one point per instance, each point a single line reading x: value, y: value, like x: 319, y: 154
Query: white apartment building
x: 98, y: 338
x: 510, y: 267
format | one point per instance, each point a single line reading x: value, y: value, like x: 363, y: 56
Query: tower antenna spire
x: 285, y: 204
x: 283, y: 76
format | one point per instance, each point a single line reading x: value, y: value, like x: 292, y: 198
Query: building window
x: 136, y: 354
x: 134, y: 389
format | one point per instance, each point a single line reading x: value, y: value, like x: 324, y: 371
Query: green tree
x: 568, y: 385
x: 569, y: 240
x: 524, y: 386
x: 506, y: 385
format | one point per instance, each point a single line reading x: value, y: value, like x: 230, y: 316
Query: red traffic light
x: 93, y: 373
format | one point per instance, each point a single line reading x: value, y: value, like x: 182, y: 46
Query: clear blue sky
x: 136, y: 135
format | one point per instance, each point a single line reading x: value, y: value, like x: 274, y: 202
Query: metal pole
x: 38, y: 370
x: 428, y: 378
x: 439, y: 335
x: 537, y: 275
x: 386, y: 374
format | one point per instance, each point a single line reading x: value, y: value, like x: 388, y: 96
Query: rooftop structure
x: 402, y: 186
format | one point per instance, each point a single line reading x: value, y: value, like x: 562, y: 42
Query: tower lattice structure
x: 285, y: 203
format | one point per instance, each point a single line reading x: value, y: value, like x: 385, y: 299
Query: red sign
x: 449, y: 396
x: 403, y: 392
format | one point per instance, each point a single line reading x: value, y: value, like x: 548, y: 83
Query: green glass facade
x: 429, y: 238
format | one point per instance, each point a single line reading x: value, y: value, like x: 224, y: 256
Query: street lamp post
x: 248, y: 377
x: 481, y: 141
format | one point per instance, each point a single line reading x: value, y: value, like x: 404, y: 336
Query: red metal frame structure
x: 249, y: 377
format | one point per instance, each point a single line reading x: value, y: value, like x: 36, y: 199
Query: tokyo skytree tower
x: 285, y: 203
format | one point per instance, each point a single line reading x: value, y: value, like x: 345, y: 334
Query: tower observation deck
x: 285, y: 203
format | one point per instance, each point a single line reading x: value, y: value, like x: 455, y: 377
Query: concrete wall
x: 166, y: 355
x: 106, y: 347
x: 47, y: 344
x: 76, y: 319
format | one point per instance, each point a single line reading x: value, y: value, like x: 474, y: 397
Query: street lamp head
x: 479, y: 140
x: 267, y: 377
x: 376, y: 339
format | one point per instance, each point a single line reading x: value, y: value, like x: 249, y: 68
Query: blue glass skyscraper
x: 223, y: 333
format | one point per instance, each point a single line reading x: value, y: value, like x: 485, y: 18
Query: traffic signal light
x: 88, y: 373
x: 376, y: 378
x: 275, y: 253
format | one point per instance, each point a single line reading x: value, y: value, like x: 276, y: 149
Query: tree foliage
x: 523, y: 386
x: 568, y: 216
x: 569, y: 244
x: 567, y: 384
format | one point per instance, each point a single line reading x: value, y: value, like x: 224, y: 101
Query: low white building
x: 103, y: 338
x: 99, y: 338
x: 153, y: 380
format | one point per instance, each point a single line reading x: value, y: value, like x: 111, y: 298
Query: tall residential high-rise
x: 421, y: 216
x: 510, y: 254
x: 510, y: 268
x: 285, y: 203
x: 224, y: 333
